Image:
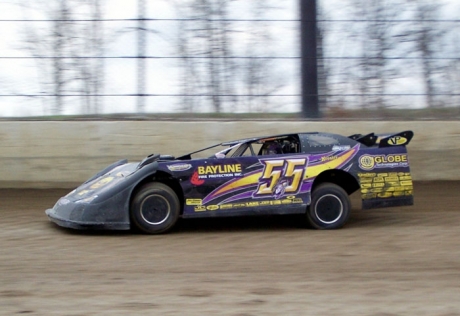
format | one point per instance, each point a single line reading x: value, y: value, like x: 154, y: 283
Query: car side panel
x: 245, y: 185
x: 275, y: 184
x: 385, y: 177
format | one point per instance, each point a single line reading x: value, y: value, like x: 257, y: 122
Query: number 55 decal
x: 288, y: 171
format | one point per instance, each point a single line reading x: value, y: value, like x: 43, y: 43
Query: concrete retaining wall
x: 63, y: 154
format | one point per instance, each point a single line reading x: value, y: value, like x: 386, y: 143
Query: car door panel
x: 247, y: 185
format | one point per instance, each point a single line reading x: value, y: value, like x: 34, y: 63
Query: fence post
x: 141, y: 44
x: 309, y: 67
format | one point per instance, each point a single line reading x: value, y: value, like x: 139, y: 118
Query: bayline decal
x: 369, y: 162
x: 219, y: 171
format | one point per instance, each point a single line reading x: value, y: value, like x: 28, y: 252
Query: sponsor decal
x: 385, y: 184
x: 193, y: 202
x: 328, y: 158
x: 195, y: 179
x: 179, y: 167
x: 220, y: 175
x: 340, y: 147
x: 200, y: 208
x: 369, y: 162
x: 226, y: 206
x: 101, y: 183
x: 219, y: 171
x: 397, y: 140
x: 281, y: 176
x: 280, y: 188
x: 83, y: 192
x: 250, y: 204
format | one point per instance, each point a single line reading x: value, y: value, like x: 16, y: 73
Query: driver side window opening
x: 252, y: 150
x: 288, y: 145
x: 246, y: 150
x: 273, y: 146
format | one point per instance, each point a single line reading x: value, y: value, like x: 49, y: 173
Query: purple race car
x: 301, y: 173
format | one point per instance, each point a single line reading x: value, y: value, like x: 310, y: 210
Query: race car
x: 297, y: 173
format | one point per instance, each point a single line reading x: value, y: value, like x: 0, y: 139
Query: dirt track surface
x: 399, y: 261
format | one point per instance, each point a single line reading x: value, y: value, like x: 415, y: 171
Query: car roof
x: 254, y: 139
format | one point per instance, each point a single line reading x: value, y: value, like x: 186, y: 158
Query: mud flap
x: 388, y: 202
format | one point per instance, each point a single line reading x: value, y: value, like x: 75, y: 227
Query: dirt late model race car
x: 305, y: 173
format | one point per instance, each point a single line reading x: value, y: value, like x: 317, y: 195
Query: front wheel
x: 155, y: 208
x: 329, y: 208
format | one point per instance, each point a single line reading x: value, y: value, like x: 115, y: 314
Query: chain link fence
x: 393, y: 59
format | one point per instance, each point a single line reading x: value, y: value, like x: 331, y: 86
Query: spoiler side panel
x: 399, y: 139
x: 385, y: 178
x: 384, y: 140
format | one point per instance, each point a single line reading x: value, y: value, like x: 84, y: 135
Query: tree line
x: 373, y: 54
x: 400, y: 53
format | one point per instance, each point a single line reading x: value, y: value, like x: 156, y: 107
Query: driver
x: 273, y: 148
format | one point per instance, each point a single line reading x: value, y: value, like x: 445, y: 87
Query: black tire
x: 329, y: 208
x: 155, y: 208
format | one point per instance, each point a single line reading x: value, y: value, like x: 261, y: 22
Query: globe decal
x: 366, y: 162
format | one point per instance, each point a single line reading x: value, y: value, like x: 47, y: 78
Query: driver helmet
x: 274, y: 149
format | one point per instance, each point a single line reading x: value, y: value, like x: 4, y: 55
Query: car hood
x: 98, y: 187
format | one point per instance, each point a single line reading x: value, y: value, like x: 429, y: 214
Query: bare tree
x: 451, y: 75
x: 398, y: 41
x: 94, y: 85
x: 62, y: 48
x: 260, y: 78
x: 427, y: 38
x: 207, y: 43
x: 377, y: 42
x: 204, y: 46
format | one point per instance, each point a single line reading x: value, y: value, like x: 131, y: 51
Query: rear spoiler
x: 384, y: 140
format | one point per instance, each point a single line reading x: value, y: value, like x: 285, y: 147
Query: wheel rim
x: 155, y: 209
x: 328, y: 209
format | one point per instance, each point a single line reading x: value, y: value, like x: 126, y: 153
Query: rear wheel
x: 155, y: 208
x: 329, y: 208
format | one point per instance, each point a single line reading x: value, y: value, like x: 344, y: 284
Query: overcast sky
x: 20, y: 76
